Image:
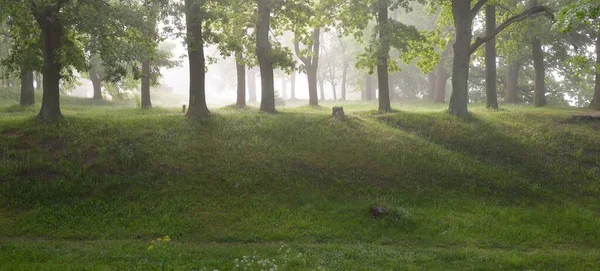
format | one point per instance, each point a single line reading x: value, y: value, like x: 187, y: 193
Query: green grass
x: 516, y: 189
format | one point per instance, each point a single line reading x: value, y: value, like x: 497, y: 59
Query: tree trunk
x: 461, y: 9
x: 146, y: 101
x: 540, y: 73
x: 538, y: 65
x: 490, y: 59
x: 283, y: 88
x: 369, y: 88
x: 344, y: 81
x: 27, y: 89
x: 263, y: 50
x: 252, y: 85
x: 52, y: 33
x: 382, y: 61
x: 241, y: 85
x: 334, y: 91
x: 311, y: 64
x: 96, y: 83
x: 293, y: 86
x: 38, y: 81
x: 431, y: 79
x: 441, y: 78
x: 313, y: 98
x: 195, y: 44
x: 321, y: 88
x: 512, y: 82
x: 596, y: 100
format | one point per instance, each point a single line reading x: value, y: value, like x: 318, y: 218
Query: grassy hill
x: 516, y: 189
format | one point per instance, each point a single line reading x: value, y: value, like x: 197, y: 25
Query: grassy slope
x: 516, y: 189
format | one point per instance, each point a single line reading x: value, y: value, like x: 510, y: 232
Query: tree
x: 490, y: 58
x: 585, y: 13
x: 24, y: 54
x: 197, y: 62
x: 388, y: 34
x: 65, y: 27
x: 310, y: 60
x: 463, y: 15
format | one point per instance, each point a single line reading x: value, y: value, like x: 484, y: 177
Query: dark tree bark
x: 293, y: 86
x: 146, y: 69
x: 241, y: 85
x: 540, y: 73
x: 431, y: 79
x: 252, y: 85
x: 461, y: 9
x: 441, y: 79
x: 490, y: 59
x: 52, y: 33
x: 146, y: 101
x: 512, y: 82
x: 195, y: 44
x: 27, y: 89
x: 596, y: 99
x: 539, y: 89
x: 263, y: 50
x: 312, y: 65
x: 96, y: 83
x: 382, y: 60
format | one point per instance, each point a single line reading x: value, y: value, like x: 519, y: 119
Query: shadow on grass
x: 489, y: 144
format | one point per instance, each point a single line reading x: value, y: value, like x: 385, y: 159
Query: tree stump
x: 377, y: 211
x: 338, y: 113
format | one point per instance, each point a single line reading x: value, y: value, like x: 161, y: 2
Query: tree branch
x: 304, y: 60
x: 517, y: 18
x: 477, y: 8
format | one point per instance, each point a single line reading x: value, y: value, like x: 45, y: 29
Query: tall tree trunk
x: 461, y: 9
x: 27, y: 89
x: 146, y: 101
x: 197, y: 106
x: 431, y: 79
x: 96, y: 83
x: 252, y: 85
x: 596, y: 100
x: 321, y: 88
x: 540, y: 73
x: 344, y: 81
x: 368, y: 87
x: 241, y: 85
x: 512, y: 82
x: 312, y: 65
x: 490, y: 59
x: 263, y: 50
x: 52, y: 33
x: 539, y: 67
x: 293, y: 86
x: 441, y: 78
x: 382, y: 60
x: 333, y: 91
x: 38, y: 81
x: 283, y: 88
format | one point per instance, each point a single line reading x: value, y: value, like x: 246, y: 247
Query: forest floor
x: 514, y: 189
